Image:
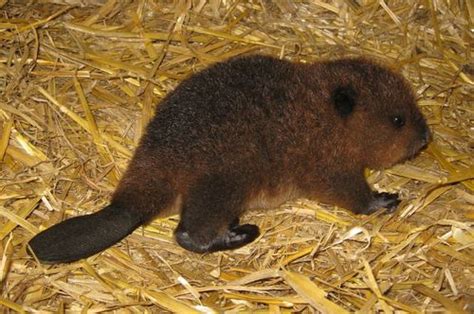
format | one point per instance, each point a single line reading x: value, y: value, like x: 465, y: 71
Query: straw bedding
x: 79, y: 79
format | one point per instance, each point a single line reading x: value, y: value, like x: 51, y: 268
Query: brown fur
x: 302, y: 143
x: 257, y: 131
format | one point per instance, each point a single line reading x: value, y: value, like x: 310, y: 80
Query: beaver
x: 253, y: 132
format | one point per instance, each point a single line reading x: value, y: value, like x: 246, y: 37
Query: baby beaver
x: 252, y: 132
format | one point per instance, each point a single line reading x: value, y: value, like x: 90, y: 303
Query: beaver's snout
x: 426, y: 137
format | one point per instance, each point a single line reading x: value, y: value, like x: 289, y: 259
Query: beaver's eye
x: 398, y: 121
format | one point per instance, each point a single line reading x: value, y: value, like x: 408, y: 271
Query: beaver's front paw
x: 384, y: 200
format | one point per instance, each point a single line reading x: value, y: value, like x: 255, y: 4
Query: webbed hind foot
x: 233, y: 238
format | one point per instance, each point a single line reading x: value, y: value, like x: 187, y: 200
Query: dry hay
x: 79, y: 80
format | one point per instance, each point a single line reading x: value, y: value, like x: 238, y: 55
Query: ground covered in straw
x: 80, y: 78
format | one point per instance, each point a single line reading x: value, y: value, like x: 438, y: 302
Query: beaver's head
x: 378, y: 113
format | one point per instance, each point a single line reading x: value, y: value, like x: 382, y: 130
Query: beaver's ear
x: 344, y: 99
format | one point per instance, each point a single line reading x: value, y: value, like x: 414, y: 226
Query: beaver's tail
x: 83, y: 236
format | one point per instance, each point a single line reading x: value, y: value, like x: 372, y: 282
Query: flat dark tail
x: 83, y: 236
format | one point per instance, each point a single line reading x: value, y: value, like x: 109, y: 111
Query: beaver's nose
x: 426, y: 137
